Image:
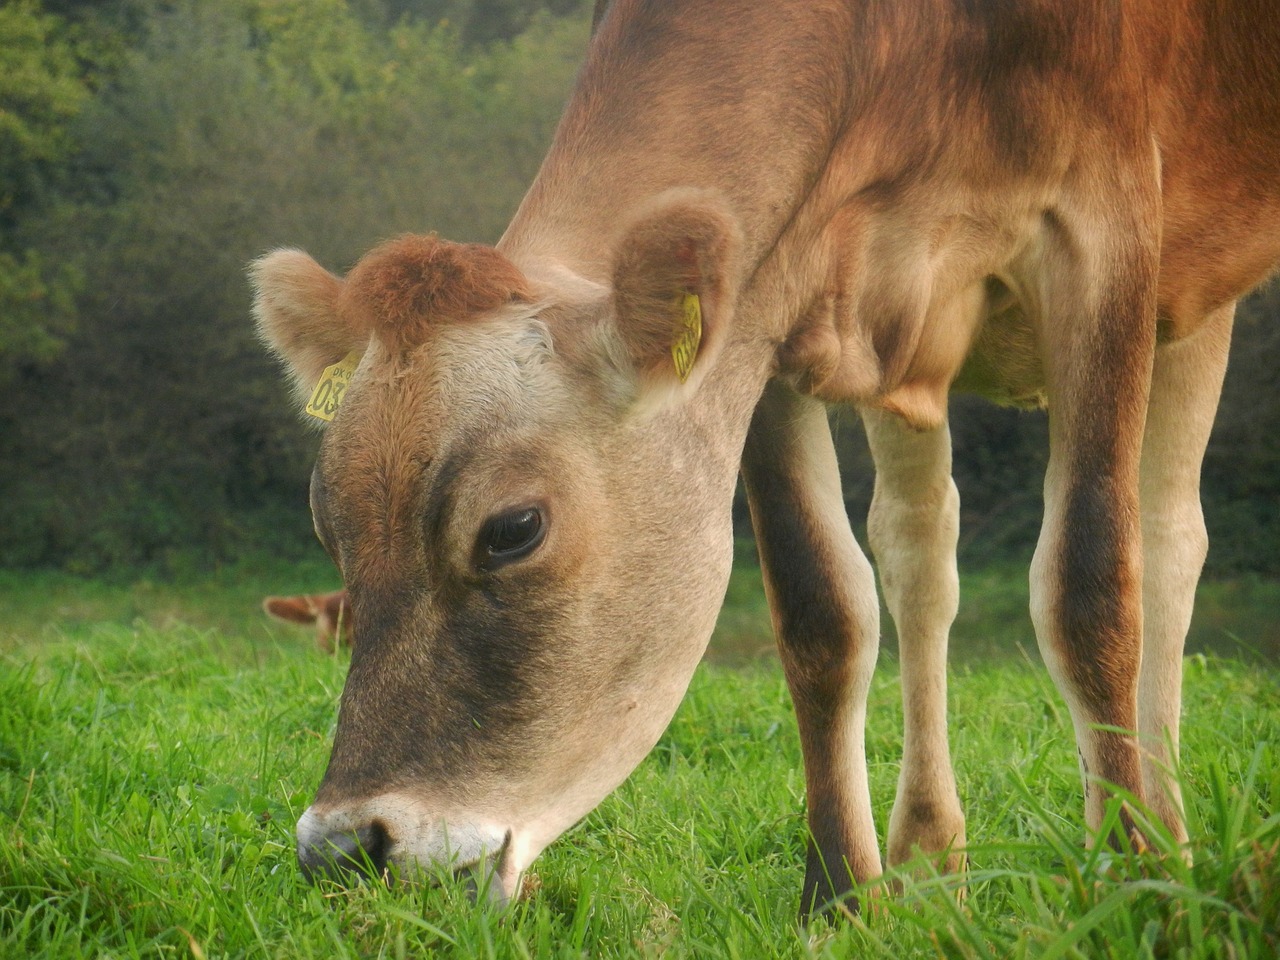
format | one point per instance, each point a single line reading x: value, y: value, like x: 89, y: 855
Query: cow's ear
x: 674, y: 277
x: 296, y: 307
x: 290, y: 609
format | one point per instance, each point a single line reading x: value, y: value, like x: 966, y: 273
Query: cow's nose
x: 347, y: 854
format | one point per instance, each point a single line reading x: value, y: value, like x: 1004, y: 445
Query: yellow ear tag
x: 684, y: 349
x: 328, y: 394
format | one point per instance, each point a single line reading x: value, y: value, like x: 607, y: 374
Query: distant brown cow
x: 750, y: 208
x: 329, y: 613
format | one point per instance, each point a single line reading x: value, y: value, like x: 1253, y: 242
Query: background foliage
x: 159, y: 430
x: 150, y: 148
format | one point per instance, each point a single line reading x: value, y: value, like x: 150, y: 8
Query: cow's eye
x: 510, y: 536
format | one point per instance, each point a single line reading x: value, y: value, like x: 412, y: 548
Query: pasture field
x: 157, y: 744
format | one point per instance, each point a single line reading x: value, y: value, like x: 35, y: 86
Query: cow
x: 329, y: 613
x: 752, y: 209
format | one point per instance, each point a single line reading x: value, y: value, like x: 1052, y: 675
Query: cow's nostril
x: 360, y: 852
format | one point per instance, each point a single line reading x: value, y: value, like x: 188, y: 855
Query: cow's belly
x: 1004, y: 363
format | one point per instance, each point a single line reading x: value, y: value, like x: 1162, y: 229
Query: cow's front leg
x: 822, y: 596
x: 1097, y: 331
x: 1185, y: 388
x: 913, y: 527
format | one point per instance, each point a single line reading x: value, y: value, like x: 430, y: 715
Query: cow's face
x: 531, y: 515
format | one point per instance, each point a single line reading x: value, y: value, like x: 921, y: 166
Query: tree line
x: 150, y: 148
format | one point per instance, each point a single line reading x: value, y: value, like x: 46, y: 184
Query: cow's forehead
x: 482, y: 375
x: 408, y: 413
x: 495, y: 372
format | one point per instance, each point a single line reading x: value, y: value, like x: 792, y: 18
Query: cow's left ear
x: 674, y: 279
x: 290, y: 609
x: 296, y: 305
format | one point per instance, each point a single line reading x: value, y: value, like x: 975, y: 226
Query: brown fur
x: 597, y: 14
x: 402, y: 289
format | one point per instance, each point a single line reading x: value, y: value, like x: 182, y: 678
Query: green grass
x: 150, y: 775
x: 42, y: 606
x: 1234, y: 617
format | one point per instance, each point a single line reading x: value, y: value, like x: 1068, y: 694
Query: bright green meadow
x: 158, y: 740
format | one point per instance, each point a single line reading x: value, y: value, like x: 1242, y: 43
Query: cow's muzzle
x: 340, y: 848
x: 346, y: 855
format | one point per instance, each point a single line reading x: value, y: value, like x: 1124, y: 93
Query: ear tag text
x: 332, y: 388
x: 684, y: 348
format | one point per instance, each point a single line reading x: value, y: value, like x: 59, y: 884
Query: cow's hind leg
x: 822, y: 596
x: 1185, y: 388
x: 913, y: 527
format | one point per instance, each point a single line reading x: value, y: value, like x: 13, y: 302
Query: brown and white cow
x: 328, y: 613
x: 528, y: 485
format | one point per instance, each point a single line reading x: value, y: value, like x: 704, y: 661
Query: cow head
x: 529, y: 500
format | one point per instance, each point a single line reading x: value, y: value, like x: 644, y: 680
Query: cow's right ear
x: 296, y: 306
x: 674, y: 280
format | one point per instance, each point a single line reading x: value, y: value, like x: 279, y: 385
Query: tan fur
x: 1186, y: 383
x: 295, y: 304
x: 881, y: 202
x: 913, y: 527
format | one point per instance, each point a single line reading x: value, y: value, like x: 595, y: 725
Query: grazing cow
x: 752, y: 208
x: 329, y: 613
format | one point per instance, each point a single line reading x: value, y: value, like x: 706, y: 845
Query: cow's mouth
x: 494, y: 877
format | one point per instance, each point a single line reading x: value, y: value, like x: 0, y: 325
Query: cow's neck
x: 685, y: 98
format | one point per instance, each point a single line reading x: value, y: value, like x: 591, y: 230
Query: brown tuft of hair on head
x: 403, y: 288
